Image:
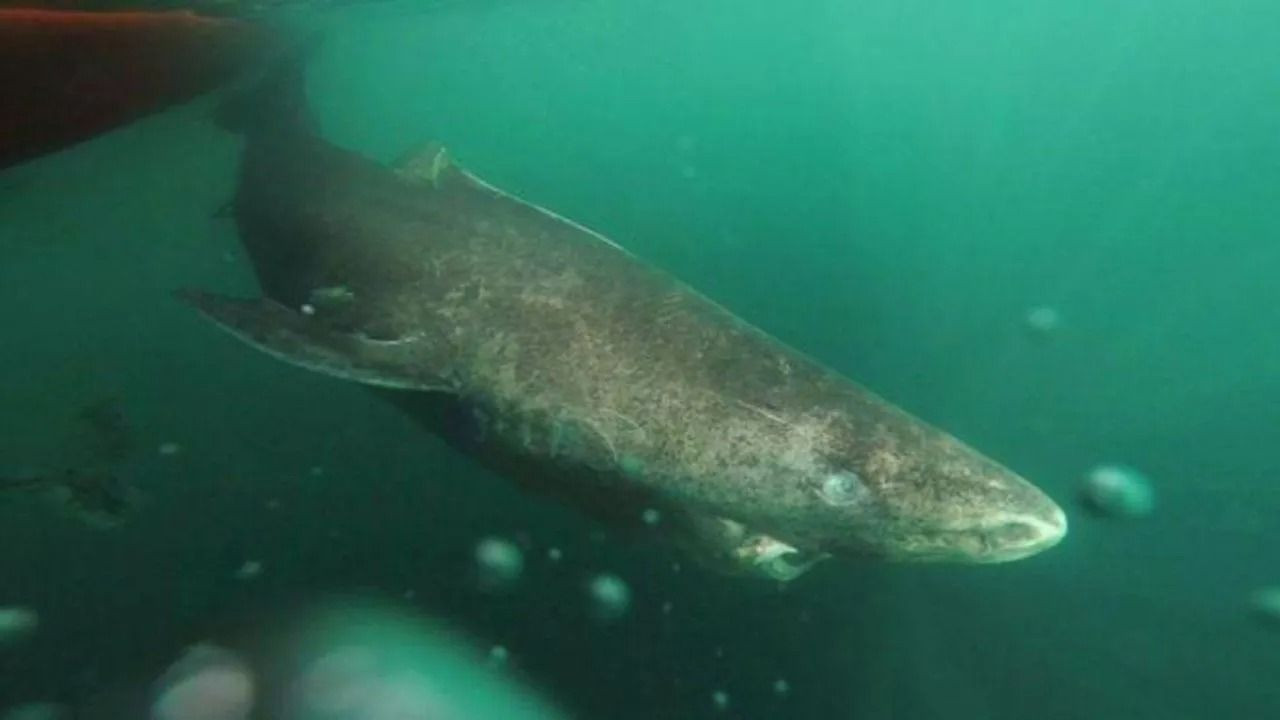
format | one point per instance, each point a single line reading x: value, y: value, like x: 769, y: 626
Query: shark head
x: 903, y: 490
x: 861, y: 478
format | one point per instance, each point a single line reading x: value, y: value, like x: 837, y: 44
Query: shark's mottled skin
x: 563, y: 360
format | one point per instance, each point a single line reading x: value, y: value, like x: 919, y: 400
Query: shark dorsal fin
x: 429, y: 164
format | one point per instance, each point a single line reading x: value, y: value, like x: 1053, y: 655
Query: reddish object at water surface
x: 67, y: 76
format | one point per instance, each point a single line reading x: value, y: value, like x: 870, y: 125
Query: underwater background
x: 890, y: 186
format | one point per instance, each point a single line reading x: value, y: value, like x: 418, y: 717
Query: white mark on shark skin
x: 761, y: 411
x: 331, y: 294
x: 410, y: 338
x: 544, y: 211
x: 634, y: 425
x: 613, y: 450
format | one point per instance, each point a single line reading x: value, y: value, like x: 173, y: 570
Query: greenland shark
x: 562, y: 360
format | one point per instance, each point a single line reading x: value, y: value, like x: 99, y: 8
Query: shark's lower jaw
x: 1023, y: 536
x: 998, y: 539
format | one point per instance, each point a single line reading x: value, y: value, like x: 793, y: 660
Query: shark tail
x: 276, y: 101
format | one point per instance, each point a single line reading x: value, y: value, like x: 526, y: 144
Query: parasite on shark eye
x: 842, y: 488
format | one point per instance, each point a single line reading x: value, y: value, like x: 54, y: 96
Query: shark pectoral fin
x: 431, y: 166
x: 307, y: 342
x: 732, y: 548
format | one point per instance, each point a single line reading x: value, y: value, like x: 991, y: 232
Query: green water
x: 889, y: 186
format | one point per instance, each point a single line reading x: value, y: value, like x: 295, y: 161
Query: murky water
x: 1050, y: 230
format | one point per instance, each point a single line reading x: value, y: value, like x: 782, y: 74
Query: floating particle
x: 1043, y: 320
x: 651, y: 517
x: 631, y: 465
x: 308, y: 309
x: 316, y: 471
x: 1265, y: 604
x: 842, y: 488
x: 405, y: 695
x: 249, y: 570
x: 207, y: 683
x: 554, y: 554
x: 675, y: 567
x: 499, y: 563
x: 1117, y: 491
x: 667, y: 607
x: 36, y: 711
x: 720, y: 699
x: 498, y: 655
x: 719, y: 653
x: 688, y: 172
x: 169, y: 449
x: 16, y: 623
x: 339, y: 681
x: 361, y: 661
x: 272, y: 504
x: 610, y: 597
x: 781, y: 687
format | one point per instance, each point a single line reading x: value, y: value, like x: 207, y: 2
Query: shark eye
x: 842, y: 488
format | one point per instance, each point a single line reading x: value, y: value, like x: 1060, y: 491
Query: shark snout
x: 1016, y: 536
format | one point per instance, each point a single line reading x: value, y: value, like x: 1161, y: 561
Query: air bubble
x: 499, y: 563
x: 1118, y: 491
x: 1265, y: 604
x: 249, y: 570
x: 36, y: 711
x: 631, y: 465
x: 498, y: 655
x: 610, y: 597
x: 206, y: 682
x: 1043, y: 319
x: 17, y: 622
